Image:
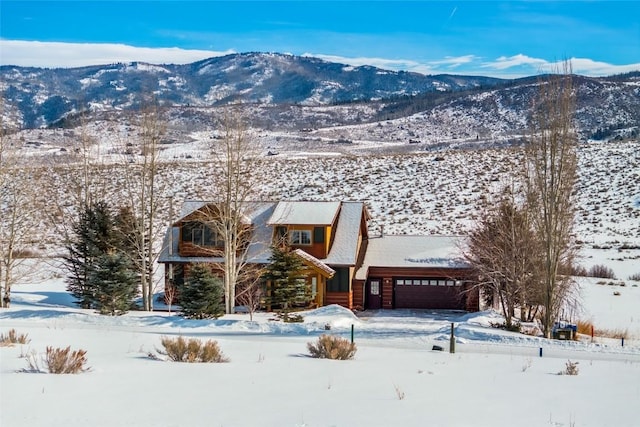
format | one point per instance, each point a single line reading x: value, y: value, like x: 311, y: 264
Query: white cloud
x: 584, y: 66
x: 505, y: 62
x: 455, y: 61
x: 386, y: 64
x: 589, y: 67
x: 58, y: 54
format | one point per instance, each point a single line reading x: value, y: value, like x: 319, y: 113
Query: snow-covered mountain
x: 38, y: 96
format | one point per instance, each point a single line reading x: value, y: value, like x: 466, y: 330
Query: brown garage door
x: 432, y: 293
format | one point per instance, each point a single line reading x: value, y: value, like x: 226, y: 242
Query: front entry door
x: 374, y: 295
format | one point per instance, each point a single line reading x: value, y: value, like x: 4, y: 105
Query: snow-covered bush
x: 571, y: 368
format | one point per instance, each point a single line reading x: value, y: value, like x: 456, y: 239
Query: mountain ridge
x: 45, y: 97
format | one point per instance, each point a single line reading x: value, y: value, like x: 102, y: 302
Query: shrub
x: 571, y: 368
x: 602, y: 271
x: 332, y: 347
x: 65, y: 361
x: 584, y: 327
x: 635, y: 276
x: 291, y: 318
x: 12, y: 338
x: 192, y: 351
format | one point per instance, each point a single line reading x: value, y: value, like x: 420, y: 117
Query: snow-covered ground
x: 495, y: 378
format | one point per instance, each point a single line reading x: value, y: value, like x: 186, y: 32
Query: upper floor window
x: 300, y: 237
x: 201, y: 235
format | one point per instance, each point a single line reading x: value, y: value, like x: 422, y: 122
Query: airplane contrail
x: 453, y: 12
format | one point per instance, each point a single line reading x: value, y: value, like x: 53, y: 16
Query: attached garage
x: 417, y: 272
x: 434, y: 293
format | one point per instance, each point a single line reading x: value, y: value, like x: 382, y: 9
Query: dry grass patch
x: 571, y: 368
x: 585, y: 327
x: 12, y: 337
x: 65, y: 361
x: 192, y: 350
x: 332, y: 347
x: 58, y: 361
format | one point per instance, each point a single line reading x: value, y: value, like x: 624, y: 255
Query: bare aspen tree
x: 234, y: 193
x: 142, y: 194
x: 18, y: 216
x: 550, y: 167
x: 250, y: 292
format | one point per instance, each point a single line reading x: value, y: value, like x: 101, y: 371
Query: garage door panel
x: 430, y: 297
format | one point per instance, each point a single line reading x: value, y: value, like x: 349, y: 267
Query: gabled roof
x: 304, y: 213
x: 191, y: 207
x: 314, y: 262
x: 344, y: 250
x: 259, y: 248
x: 412, y: 251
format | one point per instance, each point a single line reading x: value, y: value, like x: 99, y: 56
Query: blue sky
x: 503, y: 39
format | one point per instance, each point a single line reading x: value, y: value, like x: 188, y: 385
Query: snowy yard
x: 495, y: 378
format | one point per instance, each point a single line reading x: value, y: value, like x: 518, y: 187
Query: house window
x: 300, y: 237
x: 340, y: 281
x: 281, y: 234
x: 200, y: 235
x: 375, y: 287
x: 318, y: 234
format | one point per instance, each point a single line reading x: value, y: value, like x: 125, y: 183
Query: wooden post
x: 452, y: 341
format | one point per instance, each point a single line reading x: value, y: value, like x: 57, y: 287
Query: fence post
x: 452, y: 341
x: 352, y: 333
x: 540, y: 351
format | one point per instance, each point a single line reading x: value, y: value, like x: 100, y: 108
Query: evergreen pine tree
x: 125, y: 237
x: 201, y: 295
x: 288, y: 280
x: 92, y: 237
x: 114, y: 283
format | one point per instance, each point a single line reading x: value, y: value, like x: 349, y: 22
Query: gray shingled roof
x: 412, y: 251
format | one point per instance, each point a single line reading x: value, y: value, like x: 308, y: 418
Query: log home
x: 344, y: 265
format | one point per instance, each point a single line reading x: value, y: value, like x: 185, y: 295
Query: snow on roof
x: 412, y: 251
x: 315, y: 262
x: 304, y: 213
x: 191, y: 206
x: 344, y: 250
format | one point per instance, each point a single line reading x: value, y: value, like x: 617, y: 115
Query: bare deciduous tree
x: 234, y: 192
x: 250, y: 292
x: 550, y: 167
x: 142, y: 194
x: 502, y: 252
x: 18, y: 217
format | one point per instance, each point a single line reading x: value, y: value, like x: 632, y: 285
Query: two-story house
x: 344, y: 265
x: 328, y: 237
